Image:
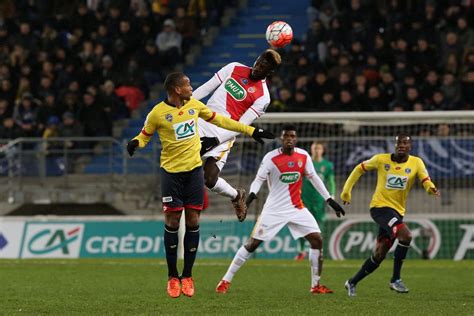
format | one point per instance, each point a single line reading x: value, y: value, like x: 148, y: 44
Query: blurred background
x: 77, y: 79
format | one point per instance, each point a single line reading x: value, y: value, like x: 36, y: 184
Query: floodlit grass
x: 130, y: 287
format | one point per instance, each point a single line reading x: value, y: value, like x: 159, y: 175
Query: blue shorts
x: 388, y: 220
x: 182, y: 190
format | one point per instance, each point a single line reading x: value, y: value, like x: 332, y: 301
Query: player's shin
x: 222, y: 187
x: 399, y: 255
x: 314, y: 258
x: 369, y: 266
x: 191, y: 243
x: 171, y: 249
x: 240, y: 257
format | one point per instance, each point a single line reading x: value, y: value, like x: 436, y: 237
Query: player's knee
x: 315, y: 240
x: 405, y: 238
x: 252, y: 245
x: 210, y: 180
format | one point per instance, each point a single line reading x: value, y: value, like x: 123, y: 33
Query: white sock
x: 240, y: 257
x: 314, y: 260
x: 224, y: 188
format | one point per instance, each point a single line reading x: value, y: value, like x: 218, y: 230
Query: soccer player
x: 241, y: 93
x: 175, y: 120
x: 396, y: 174
x: 284, y: 168
x: 311, y: 199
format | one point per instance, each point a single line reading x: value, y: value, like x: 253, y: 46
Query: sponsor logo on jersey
x: 180, y: 113
x: 291, y: 164
x: 191, y: 111
x: 398, y: 168
x: 245, y: 81
x: 300, y: 163
x: 396, y: 182
x: 235, y: 89
x: 184, y: 129
x: 289, y: 177
x: 386, y: 167
x: 407, y: 170
x: 251, y: 89
x: 169, y: 117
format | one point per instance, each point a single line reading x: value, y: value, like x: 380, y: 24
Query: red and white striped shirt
x: 284, y: 174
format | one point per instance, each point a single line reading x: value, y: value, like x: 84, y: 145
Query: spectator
x: 169, y: 44
x: 9, y: 129
x: 451, y: 90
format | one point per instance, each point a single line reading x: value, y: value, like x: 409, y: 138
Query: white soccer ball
x: 279, y: 34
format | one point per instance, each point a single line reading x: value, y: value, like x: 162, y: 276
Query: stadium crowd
x: 380, y: 56
x: 73, y: 68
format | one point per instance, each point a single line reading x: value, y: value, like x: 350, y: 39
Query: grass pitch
x: 262, y: 287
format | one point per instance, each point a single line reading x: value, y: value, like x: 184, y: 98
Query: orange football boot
x: 174, y: 287
x: 187, y: 286
x: 321, y: 289
x: 223, y: 287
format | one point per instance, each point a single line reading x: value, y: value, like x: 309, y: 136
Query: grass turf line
x: 138, y: 286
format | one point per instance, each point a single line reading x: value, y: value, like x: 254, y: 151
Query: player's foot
x: 187, y: 286
x: 222, y: 287
x: 239, y: 205
x: 174, y: 287
x: 398, y: 286
x: 351, y: 288
x: 300, y: 256
x: 321, y: 289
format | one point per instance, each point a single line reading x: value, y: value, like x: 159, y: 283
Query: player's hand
x: 252, y: 196
x: 132, y: 146
x: 435, y: 192
x: 259, y: 133
x: 336, y: 207
x: 208, y: 143
x: 346, y: 198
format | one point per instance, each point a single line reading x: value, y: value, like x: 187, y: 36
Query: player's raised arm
x: 145, y: 135
x: 212, y: 117
x: 425, y: 179
x: 358, y: 171
x: 212, y: 84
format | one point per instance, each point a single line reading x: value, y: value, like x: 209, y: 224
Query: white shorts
x: 300, y: 223
x: 221, y: 152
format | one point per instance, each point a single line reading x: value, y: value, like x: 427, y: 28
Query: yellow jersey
x: 178, y: 132
x: 394, y: 180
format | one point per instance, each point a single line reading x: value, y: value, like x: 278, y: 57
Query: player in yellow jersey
x: 182, y: 180
x: 396, y: 174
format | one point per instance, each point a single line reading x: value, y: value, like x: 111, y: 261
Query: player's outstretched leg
x: 404, y: 240
x: 370, y: 265
x: 242, y: 255
x: 171, y: 249
x: 220, y: 186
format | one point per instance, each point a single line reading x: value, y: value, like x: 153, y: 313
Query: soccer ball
x: 279, y: 34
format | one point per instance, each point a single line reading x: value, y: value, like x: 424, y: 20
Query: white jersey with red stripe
x: 234, y: 95
x: 284, y: 174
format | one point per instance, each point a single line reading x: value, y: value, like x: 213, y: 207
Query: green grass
x: 130, y: 287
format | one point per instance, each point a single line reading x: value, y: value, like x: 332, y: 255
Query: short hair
x: 288, y: 127
x: 173, y: 80
x: 272, y: 56
x: 403, y: 135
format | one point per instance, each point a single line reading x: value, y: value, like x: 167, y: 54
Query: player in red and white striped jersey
x: 283, y: 169
x: 241, y: 93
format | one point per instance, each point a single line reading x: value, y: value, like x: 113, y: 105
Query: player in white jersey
x: 241, y: 93
x: 283, y: 169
